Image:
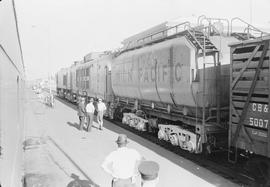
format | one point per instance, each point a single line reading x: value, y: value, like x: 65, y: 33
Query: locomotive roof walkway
x: 86, y: 151
x: 197, y: 34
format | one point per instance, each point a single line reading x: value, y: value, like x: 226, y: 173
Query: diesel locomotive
x: 176, y: 81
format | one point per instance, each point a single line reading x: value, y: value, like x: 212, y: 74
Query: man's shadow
x: 77, y: 182
x: 75, y: 125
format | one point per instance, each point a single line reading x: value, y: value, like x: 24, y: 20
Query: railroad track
x: 216, y: 162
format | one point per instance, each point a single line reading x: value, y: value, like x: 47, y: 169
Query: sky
x: 55, y: 33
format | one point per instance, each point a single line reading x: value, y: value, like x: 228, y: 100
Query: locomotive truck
x: 176, y: 81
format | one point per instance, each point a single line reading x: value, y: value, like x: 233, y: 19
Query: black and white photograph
x: 134, y: 93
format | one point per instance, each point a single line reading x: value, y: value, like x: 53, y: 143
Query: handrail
x: 186, y: 26
x: 246, y: 30
x: 215, y: 19
x: 189, y: 30
x: 209, y: 28
x: 199, y: 19
x: 164, y: 31
x: 249, y: 26
x: 218, y: 19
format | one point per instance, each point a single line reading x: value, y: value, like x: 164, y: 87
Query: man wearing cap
x: 149, y: 173
x: 101, y: 107
x: 122, y: 164
x: 81, y: 112
x: 90, y: 109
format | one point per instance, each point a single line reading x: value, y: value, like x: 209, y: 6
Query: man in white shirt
x: 90, y: 109
x: 101, y: 107
x: 122, y: 164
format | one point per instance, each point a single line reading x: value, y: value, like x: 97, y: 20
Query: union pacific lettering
x: 146, y: 69
x: 159, y: 72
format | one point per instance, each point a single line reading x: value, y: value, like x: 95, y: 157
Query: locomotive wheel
x: 161, y: 135
x: 173, y: 139
x: 260, y: 170
x: 118, y: 114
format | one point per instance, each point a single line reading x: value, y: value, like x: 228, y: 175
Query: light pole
x: 250, y: 10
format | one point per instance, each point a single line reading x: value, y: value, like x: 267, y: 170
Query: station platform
x: 69, y: 156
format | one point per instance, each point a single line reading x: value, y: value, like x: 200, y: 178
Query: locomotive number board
x: 257, y: 115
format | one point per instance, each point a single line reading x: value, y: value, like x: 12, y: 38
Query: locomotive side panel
x: 93, y: 79
x: 103, y: 68
x: 182, y: 57
x: 211, y: 86
x: 73, y: 79
x: 125, y: 75
x: 61, y: 79
x: 96, y: 78
x: 68, y: 79
x: 79, y: 79
x: 155, y: 73
x: 82, y: 79
x: 250, y: 90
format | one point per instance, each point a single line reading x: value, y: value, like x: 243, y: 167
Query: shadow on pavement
x: 77, y: 182
x: 75, y: 125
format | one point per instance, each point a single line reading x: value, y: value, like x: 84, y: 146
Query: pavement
x: 45, y: 165
x: 58, y: 154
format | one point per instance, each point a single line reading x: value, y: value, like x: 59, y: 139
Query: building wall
x: 11, y: 98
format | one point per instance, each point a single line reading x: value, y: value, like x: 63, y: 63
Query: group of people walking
x: 86, y: 113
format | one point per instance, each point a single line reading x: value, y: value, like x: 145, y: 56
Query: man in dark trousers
x: 90, y: 109
x: 81, y: 112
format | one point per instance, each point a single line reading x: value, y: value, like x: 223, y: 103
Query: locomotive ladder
x: 201, y: 41
x: 240, y: 125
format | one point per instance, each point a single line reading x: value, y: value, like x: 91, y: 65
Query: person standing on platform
x: 81, y: 112
x: 51, y: 100
x: 90, y: 109
x: 149, y: 173
x: 101, y: 107
x: 122, y: 164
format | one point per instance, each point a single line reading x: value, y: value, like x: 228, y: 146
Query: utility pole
x: 250, y: 11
